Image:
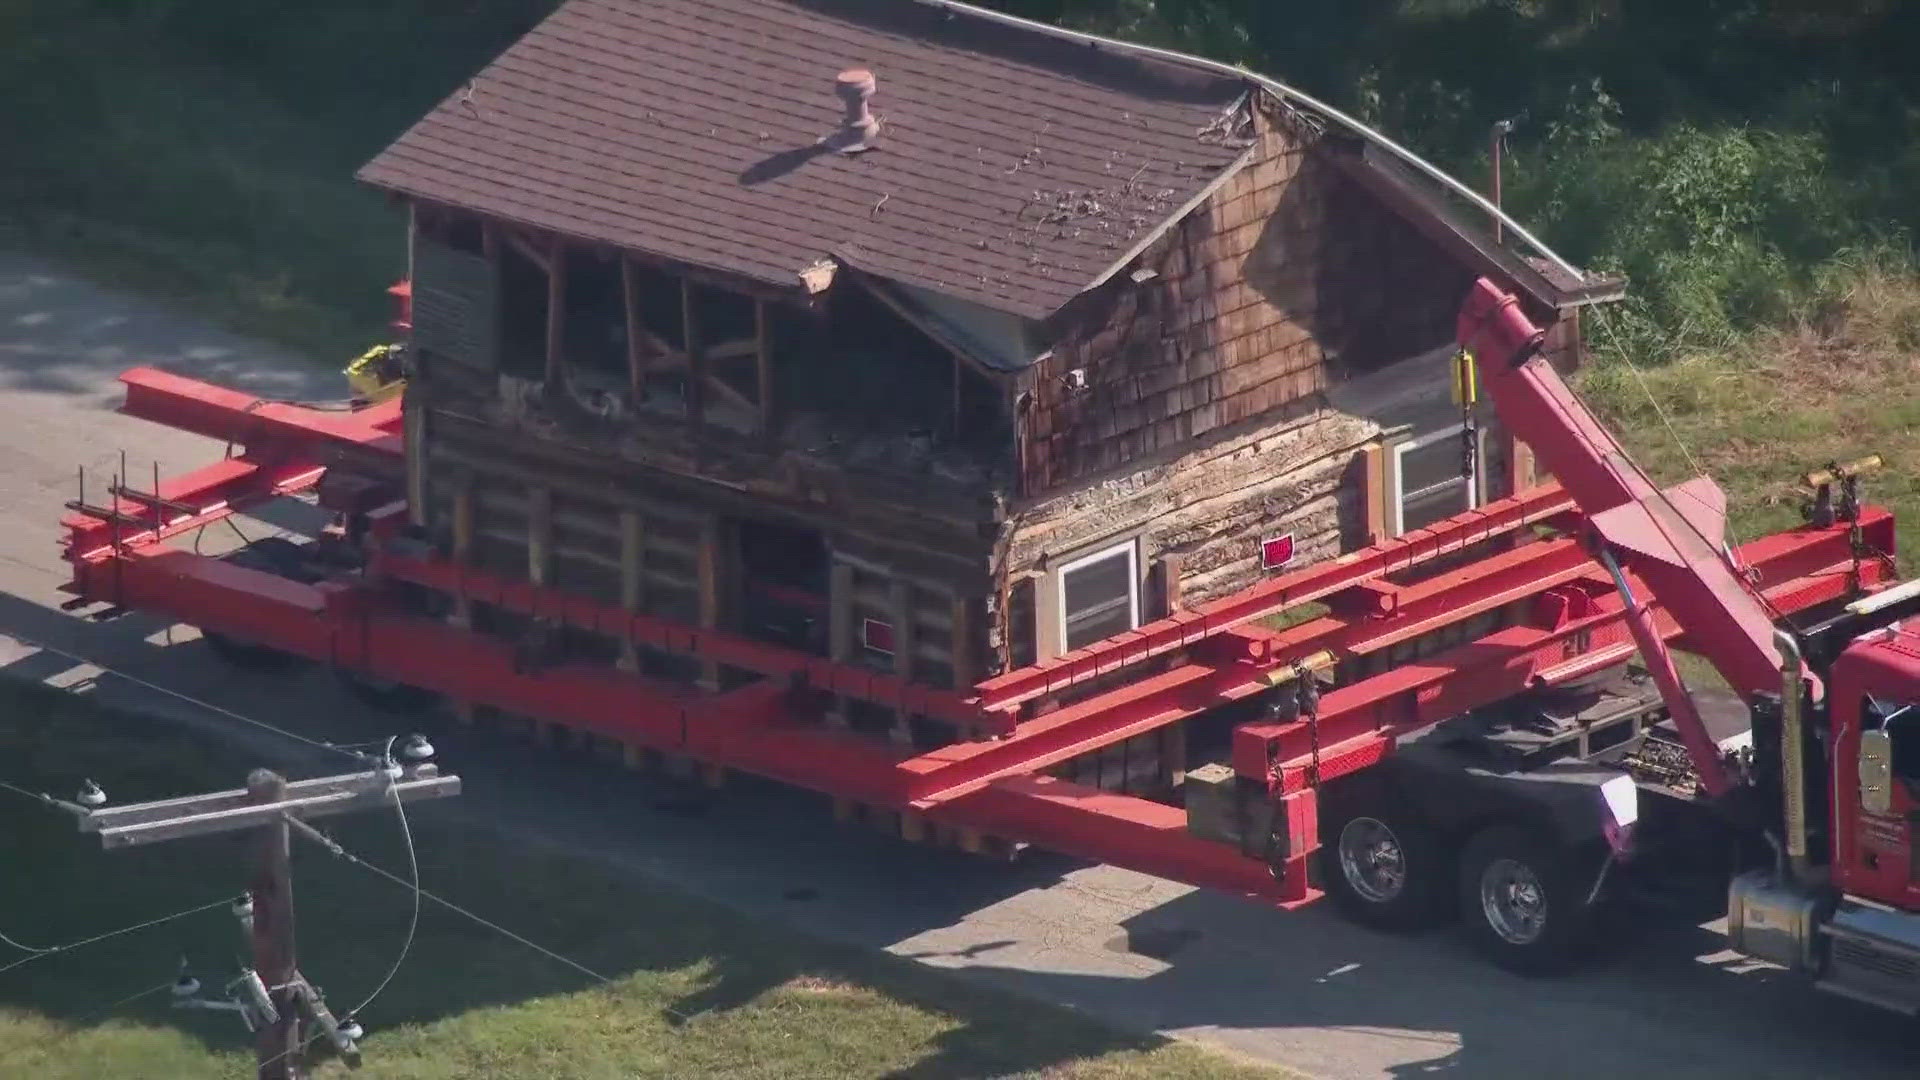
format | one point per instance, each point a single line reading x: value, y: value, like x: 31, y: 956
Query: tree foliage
x: 1717, y: 151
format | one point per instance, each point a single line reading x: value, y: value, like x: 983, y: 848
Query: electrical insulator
x: 243, y: 910
x: 350, y: 1028
x: 417, y: 749
x: 186, y: 985
x: 91, y: 796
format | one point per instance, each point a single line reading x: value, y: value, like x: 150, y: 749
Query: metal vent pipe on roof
x: 859, y: 128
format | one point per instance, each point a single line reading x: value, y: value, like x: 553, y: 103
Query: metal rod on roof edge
x: 1274, y: 86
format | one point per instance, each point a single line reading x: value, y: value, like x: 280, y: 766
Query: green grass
x: 696, y: 990
x: 220, y: 175
x: 1837, y: 381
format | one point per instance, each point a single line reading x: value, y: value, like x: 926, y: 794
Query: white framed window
x: 1099, y: 595
x: 1426, y: 483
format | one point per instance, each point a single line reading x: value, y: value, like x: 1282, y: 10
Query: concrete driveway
x: 1304, y: 990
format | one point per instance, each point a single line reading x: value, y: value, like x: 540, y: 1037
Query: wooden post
x: 1379, y: 517
x: 556, y: 309
x: 413, y: 426
x: 636, y: 357
x: 956, y: 395
x: 1520, y: 466
x: 277, y: 1044
x: 763, y: 371
x: 633, y: 582
x: 1172, y: 568
x: 1048, y: 631
x: 540, y: 535
x: 696, y: 358
x: 900, y: 608
x: 1173, y: 752
x: 709, y: 571
x: 463, y: 545
x: 966, y: 666
x: 839, y: 630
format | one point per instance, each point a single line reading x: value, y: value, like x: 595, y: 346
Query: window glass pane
x: 1422, y: 508
x: 1097, y: 598
x: 1434, y: 463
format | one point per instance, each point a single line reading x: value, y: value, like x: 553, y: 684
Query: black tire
x: 246, y: 655
x: 1383, y: 868
x: 392, y: 697
x: 273, y: 555
x: 1524, y: 899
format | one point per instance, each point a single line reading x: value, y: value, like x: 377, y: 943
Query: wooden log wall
x: 1317, y: 469
x: 1240, y: 379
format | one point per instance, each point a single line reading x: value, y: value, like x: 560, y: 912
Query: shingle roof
x: 1012, y: 168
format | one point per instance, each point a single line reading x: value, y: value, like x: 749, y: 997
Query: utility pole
x: 275, y: 998
x: 277, y: 1043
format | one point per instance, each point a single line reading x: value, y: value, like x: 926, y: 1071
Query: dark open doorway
x: 784, y: 584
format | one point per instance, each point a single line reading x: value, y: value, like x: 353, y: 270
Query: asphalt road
x: 1304, y: 990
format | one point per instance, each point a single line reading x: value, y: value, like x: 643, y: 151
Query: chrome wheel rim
x: 1514, y: 901
x: 1372, y: 860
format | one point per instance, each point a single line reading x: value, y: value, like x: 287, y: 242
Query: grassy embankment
x: 695, y: 991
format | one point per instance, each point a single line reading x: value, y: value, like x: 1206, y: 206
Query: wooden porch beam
x: 709, y: 569
x: 556, y: 312
x: 633, y: 581
x: 696, y: 359
x: 540, y: 536
x: 636, y: 357
x: 763, y: 368
x: 721, y: 387
x: 519, y: 242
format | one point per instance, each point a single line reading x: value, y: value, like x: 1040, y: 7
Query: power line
x: 413, y: 923
x: 70, y: 946
x: 333, y: 846
x: 1726, y: 552
x: 191, y: 700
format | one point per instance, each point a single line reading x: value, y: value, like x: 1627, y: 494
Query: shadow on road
x: 1304, y: 987
x: 62, y: 336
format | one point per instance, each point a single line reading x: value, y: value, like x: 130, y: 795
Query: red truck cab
x: 1874, y: 700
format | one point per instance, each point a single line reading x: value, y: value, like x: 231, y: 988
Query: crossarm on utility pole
x: 267, y: 808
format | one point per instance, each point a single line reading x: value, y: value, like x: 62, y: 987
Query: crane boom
x: 1673, y: 540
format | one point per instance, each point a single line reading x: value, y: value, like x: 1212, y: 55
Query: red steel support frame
x: 1207, y: 659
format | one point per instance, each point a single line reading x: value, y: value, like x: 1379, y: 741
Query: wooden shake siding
x: 1286, y: 280
x: 1191, y: 349
x: 1206, y: 418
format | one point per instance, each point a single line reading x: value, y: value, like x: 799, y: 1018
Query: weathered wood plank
x: 556, y: 312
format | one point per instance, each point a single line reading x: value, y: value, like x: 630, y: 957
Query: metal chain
x: 1307, y: 693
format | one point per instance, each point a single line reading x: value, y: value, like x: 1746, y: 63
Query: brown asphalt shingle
x: 1011, y: 169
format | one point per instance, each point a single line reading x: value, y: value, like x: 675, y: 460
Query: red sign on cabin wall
x: 1276, y: 551
x: 877, y: 635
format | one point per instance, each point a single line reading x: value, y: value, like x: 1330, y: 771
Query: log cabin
x: 905, y: 335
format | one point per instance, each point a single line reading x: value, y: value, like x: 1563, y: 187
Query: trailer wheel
x: 1384, y: 869
x: 244, y: 654
x: 1524, y: 901
x: 385, y: 695
x: 270, y: 554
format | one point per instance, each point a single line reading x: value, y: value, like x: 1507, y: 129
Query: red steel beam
x: 236, y: 417
x: 732, y: 650
x: 185, y: 503
x: 1799, y: 569
x: 1671, y: 540
x: 757, y: 728
x: 1184, y: 629
x: 1232, y: 667
x: 1129, y: 832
